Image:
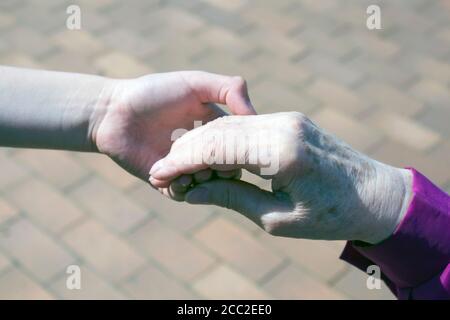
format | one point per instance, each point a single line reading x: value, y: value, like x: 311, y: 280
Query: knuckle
x: 299, y: 125
x: 297, y: 119
x: 176, y: 144
x: 239, y: 82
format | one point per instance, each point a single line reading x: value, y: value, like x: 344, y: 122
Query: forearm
x: 51, y: 110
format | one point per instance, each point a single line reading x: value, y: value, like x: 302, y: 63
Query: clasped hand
x: 321, y: 188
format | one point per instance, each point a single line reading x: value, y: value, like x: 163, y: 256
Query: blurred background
x: 386, y: 92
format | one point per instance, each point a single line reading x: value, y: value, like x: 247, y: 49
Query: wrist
x: 107, y: 99
x: 392, y: 194
x: 407, y: 178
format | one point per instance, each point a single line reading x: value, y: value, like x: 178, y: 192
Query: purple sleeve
x: 415, y: 260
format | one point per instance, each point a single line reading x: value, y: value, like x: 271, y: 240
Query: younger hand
x: 135, y: 121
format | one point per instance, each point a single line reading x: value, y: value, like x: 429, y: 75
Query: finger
x: 231, y: 91
x: 196, y: 151
x: 182, y: 183
x: 240, y: 196
x: 156, y: 183
x: 230, y: 174
x: 172, y: 194
x: 174, y: 166
x: 203, y: 175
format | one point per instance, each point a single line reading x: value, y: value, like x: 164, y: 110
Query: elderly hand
x: 134, y: 123
x: 321, y: 187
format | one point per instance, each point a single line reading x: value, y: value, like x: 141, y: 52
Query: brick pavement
x: 386, y: 92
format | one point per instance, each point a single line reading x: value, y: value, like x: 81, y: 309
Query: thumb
x: 216, y: 88
x: 240, y: 196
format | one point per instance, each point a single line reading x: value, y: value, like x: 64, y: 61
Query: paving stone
x: 231, y: 5
x: 402, y: 156
x: 404, y: 130
x: 350, y: 130
x: 104, y: 251
x: 34, y: 249
x: 37, y: 17
x: 16, y: 285
x: 78, y: 42
x: 18, y: 59
x: 337, y: 96
x: 176, y: 214
x: 319, y: 258
x: 44, y: 204
x: 269, y: 96
x: 238, y: 248
x: 221, y: 39
x: 6, y: 20
x: 292, y: 283
x: 231, y: 62
x: 380, y: 72
x: 225, y: 283
x: 27, y: 40
x: 329, y: 68
x: 354, y: 284
x: 92, y: 287
x: 213, y: 15
x: 109, y: 170
x: 282, y: 72
x: 320, y: 41
x: 272, y: 42
x: 135, y: 16
x: 437, y: 70
x: 96, y: 5
x: 113, y: 208
x: 10, y: 4
x: 181, y: 20
x: 152, y: 283
x: 268, y: 19
x: 58, y: 61
x: 437, y: 119
x: 178, y: 254
x: 128, y: 41
x: 7, y: 210
x: 431, y: 92
x: 5, y: 263
x: 59, y: 168
x: 95, y: 22
x: 389, y: 98
x: 373, y: 44
x: 11, y: 172
x: 120, y: 65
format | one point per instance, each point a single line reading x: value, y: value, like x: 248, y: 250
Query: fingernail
x: 185, y: 180
x: 199, y: 195
x: 165, y: 173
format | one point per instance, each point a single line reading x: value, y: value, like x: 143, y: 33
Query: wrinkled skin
x: 323, y: 189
